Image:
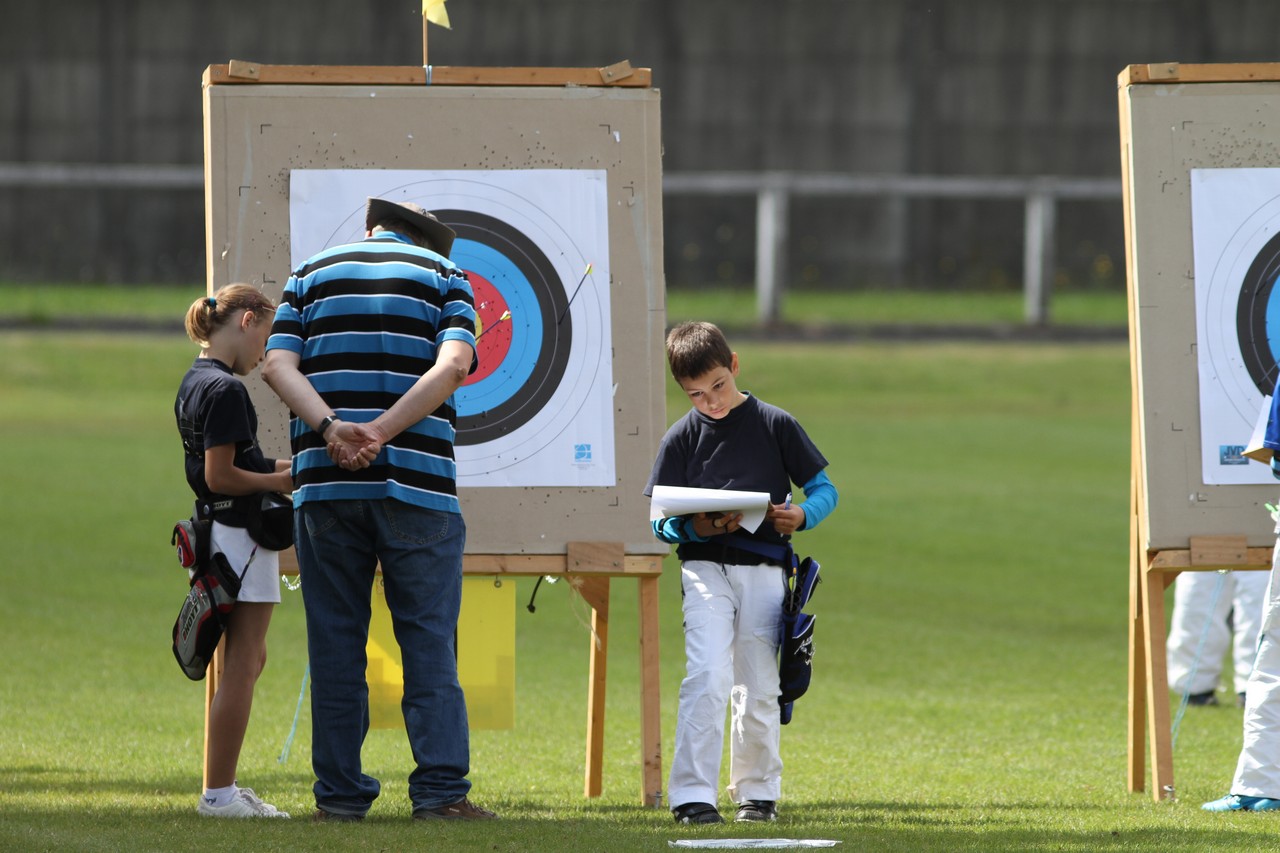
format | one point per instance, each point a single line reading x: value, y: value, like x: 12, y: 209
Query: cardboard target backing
x: 560, y: 426
x: 1201, y: 165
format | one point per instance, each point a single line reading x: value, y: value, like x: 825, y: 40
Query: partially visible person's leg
x: 244, y: 647
x: 1258, y: 770
x: 755, y: 762
x: 1198, y: 633
x: 334, y: 542
x: 1248, y: 603
x: 421, y: 556
x: 1256, y: 785
x: 709, y: 613
x: 245, y: 654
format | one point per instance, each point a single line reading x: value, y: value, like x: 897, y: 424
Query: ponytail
x: 209, y: 313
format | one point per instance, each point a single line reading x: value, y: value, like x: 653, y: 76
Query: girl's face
x: 255, y: 328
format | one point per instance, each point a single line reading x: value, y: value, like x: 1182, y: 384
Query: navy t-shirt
x: 756, y: 447
x: 213, y: 408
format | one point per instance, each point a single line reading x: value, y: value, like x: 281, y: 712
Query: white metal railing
x: 772, y: 190
x: 142, y: 176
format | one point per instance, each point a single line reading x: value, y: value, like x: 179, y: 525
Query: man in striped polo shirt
x: 369, y: 344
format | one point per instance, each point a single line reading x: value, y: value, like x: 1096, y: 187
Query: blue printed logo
x: 1231, y: 454
x: 582, y: 453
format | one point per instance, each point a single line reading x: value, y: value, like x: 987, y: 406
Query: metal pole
x: 772, y: 203
x: 1038, y: 255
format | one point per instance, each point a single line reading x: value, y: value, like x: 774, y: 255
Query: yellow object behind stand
x: 486, y: 656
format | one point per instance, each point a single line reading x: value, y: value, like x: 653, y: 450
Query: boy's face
x: 715, y: 392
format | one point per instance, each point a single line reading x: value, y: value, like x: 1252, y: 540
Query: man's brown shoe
x: 463, y: 809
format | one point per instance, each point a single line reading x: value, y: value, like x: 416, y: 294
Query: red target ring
x: 493, y: 321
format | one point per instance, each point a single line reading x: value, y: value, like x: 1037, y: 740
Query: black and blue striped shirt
x: 366, y: 320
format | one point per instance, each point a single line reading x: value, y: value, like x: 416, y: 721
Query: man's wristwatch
x: 325, y: 424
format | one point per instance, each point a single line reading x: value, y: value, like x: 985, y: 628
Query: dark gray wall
x: 949, y: 87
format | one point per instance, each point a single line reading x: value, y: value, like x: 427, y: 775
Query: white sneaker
x: 245, y: 803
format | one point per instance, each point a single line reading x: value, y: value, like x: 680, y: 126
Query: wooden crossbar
x: 620, y: 74
x: 1177, y: 72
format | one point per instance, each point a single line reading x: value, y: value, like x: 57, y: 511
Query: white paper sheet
x: 1254, y: 450
x: 668, y: 501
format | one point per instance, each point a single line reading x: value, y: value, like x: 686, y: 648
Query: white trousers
x: 1199, y: 624
x: 1258, y: 771
x: 732, y: 615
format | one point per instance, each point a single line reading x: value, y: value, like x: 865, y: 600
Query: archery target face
x: 1236, y: 240
x: 538, y: 411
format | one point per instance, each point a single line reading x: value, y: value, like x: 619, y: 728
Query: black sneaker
x: 322, y: 816
x: 696, y: 813
x: 1204, y: 699
x: 757, y: 810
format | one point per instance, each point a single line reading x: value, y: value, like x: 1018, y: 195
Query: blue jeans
x: 339, y: 545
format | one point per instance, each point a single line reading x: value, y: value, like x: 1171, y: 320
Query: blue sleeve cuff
x: 675, y: 530
x: 820, y: 498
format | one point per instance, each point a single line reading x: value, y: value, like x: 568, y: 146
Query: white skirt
x: 261, y: 583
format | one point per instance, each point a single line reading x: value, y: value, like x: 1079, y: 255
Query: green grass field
x: 970, y: 689
x: 732, y: 307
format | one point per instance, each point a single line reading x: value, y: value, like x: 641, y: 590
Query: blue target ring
x: 534, y: 366
x: 1258, y: 317
x: 526, y: 338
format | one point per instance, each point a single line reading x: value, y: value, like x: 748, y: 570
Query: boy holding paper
x: 732, y: 594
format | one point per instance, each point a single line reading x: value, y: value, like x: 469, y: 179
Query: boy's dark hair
x: 696, y: 348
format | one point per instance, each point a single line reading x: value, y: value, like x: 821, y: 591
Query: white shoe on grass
x: 245, y: 803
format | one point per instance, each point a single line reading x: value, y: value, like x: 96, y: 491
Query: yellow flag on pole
x: 435, y: 12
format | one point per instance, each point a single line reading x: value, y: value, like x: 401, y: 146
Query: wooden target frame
x: 1176, y: 119
x: 262, y: 122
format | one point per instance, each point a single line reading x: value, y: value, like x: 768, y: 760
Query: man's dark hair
x: 696, y: 348
x: 392, y: 223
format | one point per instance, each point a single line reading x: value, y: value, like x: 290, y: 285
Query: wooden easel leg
x: 1157, y: 678
x: 650, y: 707
x: 595, y: 590
x: 212, y: 678
x: 1137, y: 644
x: 1137, y: 678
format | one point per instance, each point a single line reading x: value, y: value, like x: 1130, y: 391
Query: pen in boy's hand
x: 787, y: 505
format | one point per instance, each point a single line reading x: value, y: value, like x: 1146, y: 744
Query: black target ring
x: 555, y: 322
x: 1257, y: 349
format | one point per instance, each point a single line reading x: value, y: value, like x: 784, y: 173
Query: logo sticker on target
x: 1235, y: 215
x: 534, y: 245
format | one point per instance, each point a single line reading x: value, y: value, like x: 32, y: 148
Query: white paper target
x: 1236, y: 242
x: 534, y: 243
